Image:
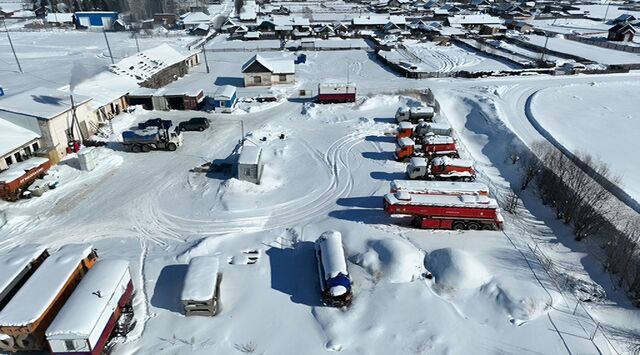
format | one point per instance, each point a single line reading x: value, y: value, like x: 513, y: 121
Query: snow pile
x: 394, y: 260
x: 455, y: 269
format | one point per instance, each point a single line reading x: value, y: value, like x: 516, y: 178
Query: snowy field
x: 47, y: 58
x: 454, y: 58
x: 489, y: 294
x: 613, y: 11
x: 576, y: 26
x: 598, y: 119
x: 587, y: 51
x: 329, y: 173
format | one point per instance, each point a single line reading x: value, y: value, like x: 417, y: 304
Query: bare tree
x: 510, y: 202
x: 238, y: 4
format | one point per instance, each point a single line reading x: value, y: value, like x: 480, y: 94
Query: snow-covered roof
x: 418, y: 161
x: 42, y: 103
x: 289, y: 21
x: 249, y: 11
x: 60, y: 17
x: 422, y: 110
x: 194, y: 18
x: 405, y: 125
x: 475, y: 19
x: 224, y: 92
x: 464, y: 163
x: 13, y: 264
x: 43, y: 287
x: 105, y: 87
x: 439, y: 187
x: 405, y: 142
x: 17, y: 170
x: 379, y: 20
x: 438, y: 140
x: 13, y: 136
x: 92, y: 303
x: 340, y: 88
x: 274, y: 65
x: 250, y: 155
x: 201, y: 280
x: 472, y: 201
x: 333, y: 259
x: 145, y: 64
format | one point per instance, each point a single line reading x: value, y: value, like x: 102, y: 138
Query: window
x: 283, y: 77
x: 18, y: 157
x: 70, y: 345
x: 35, y: 146
x: 8, y: 160
x: 247, y: 171
x: 27, y: 151
x: 257, y: 79
x: 223, y: 103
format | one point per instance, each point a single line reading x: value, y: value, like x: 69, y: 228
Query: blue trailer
x: 103, y: 19
x: 335, y: 282
x: 144, y: 140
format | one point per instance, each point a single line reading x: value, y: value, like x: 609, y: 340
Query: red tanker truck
x: 457, y: 212
x: 18, y: 178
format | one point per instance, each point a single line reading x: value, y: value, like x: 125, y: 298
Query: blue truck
x: 144, y: 140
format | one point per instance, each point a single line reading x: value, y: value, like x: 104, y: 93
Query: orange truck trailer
x: 441, y: 168
x: 24, y: 320
x: 432, y: 146
x: 17, y: 178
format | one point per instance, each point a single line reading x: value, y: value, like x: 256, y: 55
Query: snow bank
x: 393, y: 260
x: 455, y: 269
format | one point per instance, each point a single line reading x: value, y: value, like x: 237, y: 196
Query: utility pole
x: 546, y: 41
x: 206, y: 62
x: 606, y: 12
x: 11, y: 44
x: 108, y: 46
x: 135, y: 36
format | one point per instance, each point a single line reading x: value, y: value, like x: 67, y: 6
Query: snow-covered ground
x: 612, y: 11
x: 454, y: 58
x: 489, y: 295
x: 587, y: 51
x: 597, y: 119
x: 47, y: 58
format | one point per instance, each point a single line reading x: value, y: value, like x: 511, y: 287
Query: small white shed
x: 201, y: 290
x: 250, y: 164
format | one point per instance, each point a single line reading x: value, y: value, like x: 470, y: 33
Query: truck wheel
x: 200, y: 128
x: 172, y: 147
x: 136, y: 149
x: 458, y: 226
x: 487, y: 227
x: 473, y: 226
x: 146, y: 148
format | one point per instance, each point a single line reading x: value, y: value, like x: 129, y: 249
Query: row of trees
x: 579, y: 198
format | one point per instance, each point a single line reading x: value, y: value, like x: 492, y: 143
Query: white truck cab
x: 417, y: 168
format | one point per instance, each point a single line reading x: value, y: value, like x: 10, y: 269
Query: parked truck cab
x: 417, y: 168
x: 405, y: 130
x: 404, y: 149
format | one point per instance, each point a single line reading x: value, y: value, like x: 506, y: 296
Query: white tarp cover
x: 201, y: 279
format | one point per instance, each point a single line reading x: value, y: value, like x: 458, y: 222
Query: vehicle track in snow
x: 335, y: 159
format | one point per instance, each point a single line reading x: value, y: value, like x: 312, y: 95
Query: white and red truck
x: 432, y: 146
x: 414, y: 114
x: 472, y: 212
x: 420, y: 187
x: 441, y: 168
x: 422, y: 130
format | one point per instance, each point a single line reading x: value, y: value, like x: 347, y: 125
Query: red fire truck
x: 459, y: 212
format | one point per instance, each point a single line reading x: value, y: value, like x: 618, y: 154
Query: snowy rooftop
x: 62, y: 17
x: 13, y: 136
x: 405, y: 141
x: 201, y: 280
x: 105, y: 87
x: 194, y: 18
x: 274, y: 65
x: 96, y: 296
x: 42, y: 103
x: 249, y: 11
x: 379, y: 20
x: 13, y: 263
x: 405, y: 125
x: 18, y: 169
x: 42, y: 288
x: 452, y: 162
x: 224, y: 92
x: 476, y: 19
x: 439, y: 187
x: 250, y: 155
x: 475, y: 201
x: 145, y: 64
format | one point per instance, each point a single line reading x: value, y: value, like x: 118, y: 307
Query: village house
x: 156, y: 67
x: 167, y: 21
x: 261, y: 71
x: 95, y: 19
x: 16, y: 143
x: 472, y: 21
x: 225, y: 99
x: 622, y: 32
x: 49, y: 113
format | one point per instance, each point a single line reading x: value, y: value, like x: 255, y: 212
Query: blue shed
x: 103, y: 19
x: 225, y: 98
